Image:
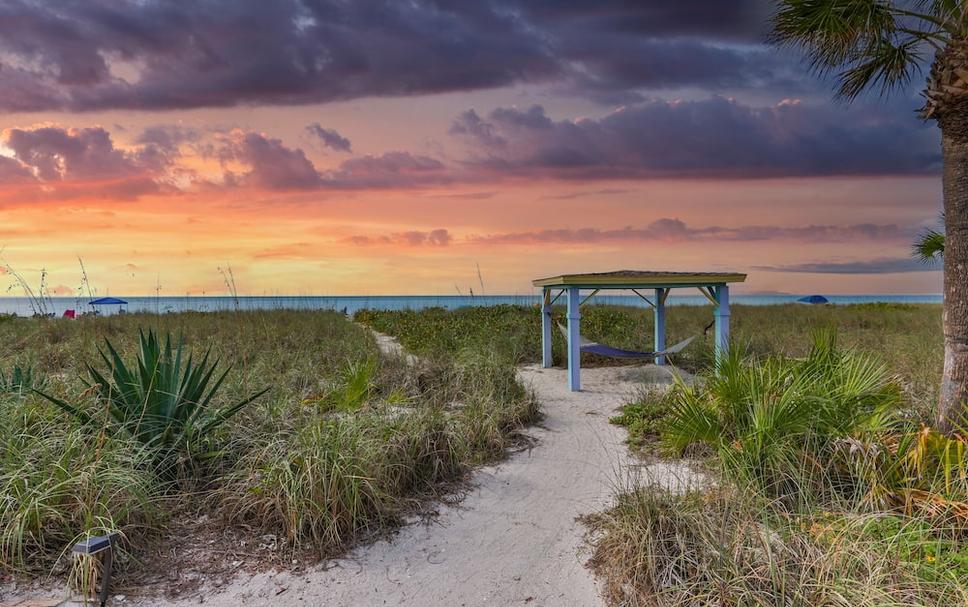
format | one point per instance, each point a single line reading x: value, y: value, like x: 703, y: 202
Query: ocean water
x: 350, y: 304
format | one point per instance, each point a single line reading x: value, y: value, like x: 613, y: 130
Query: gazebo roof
x: 634, y: 279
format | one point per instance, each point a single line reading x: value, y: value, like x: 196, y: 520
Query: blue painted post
x: 659, y: 313
x: 574, y: 340
x: 546, y: 329
x: 722, y: 321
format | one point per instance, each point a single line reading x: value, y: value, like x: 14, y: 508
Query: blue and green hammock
x: 593, y: 347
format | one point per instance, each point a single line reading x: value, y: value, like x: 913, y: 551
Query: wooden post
x: 574, y: 340
x: 722, y: 321
x: 546, y: 328
x: 659, y: 331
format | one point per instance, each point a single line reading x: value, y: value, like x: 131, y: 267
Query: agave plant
x: 162, y: 402
x: 20, y: 380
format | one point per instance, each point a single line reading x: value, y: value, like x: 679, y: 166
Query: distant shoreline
x: 351, y: 303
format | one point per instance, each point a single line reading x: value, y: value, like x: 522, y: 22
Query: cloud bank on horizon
x: 102, y: 99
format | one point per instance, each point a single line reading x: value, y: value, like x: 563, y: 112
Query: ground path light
x: 100, y: 547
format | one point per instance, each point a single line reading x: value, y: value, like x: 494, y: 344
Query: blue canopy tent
x: 813, y: 300
x: 108, y: 301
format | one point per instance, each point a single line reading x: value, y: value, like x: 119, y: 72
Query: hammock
x: 592, y: 347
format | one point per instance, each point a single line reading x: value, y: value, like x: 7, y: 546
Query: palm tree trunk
x: 954, y: 382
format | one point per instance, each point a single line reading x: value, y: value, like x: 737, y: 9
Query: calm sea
x: 350, y: 304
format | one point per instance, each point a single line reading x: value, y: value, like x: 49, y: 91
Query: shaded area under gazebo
x: 713, y: 285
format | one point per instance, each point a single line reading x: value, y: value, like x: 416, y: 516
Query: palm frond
x: 929, y: 246
x: 869, y: 44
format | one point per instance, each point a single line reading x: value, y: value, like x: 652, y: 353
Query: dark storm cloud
x: 736, y: 20
x: 330, y: 138
x: 885, y: 265
x: 150, y: 54
x: 716, y: 137
x: 82, y: 54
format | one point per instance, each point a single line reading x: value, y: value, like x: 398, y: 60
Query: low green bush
x: 645, y: 417
x: 776, y: 423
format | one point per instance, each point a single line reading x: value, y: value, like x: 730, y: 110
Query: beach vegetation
x: 347, y: 441
x: 826, y: 491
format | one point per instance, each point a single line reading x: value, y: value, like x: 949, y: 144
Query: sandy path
x: 513, y: 540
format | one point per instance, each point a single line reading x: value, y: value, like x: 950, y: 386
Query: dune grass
x: 905, y: 337
x: 345, y: 440
x: 829, y: 492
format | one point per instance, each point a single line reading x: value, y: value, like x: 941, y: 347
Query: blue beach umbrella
x: 108, y: 301
x: 813, y: 299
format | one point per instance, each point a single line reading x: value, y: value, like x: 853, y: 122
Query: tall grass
x: 906, y: 337
x: 59, y: 483
x: 829, y: 493
x: 347, y: 440
x: 731, y: 547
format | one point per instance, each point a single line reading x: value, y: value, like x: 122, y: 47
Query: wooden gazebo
x: 713, y: 285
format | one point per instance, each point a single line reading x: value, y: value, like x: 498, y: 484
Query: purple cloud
x: 883, y: 265
x: 330, y: 138
x: 86, y: 55
x: 669, y: 229
x: 79, y: 162
x: 272, y: 165
x: 715, y: 137
x: 392, y: 169
x: 57, y: 154
x: 434, y: 238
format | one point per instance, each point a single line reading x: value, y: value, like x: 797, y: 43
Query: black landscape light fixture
x: 100, y: 547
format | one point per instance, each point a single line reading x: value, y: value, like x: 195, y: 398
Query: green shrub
x: 776, y: 423
x: 646, y: 417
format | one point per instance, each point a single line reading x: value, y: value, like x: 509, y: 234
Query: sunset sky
x: 358, y: 147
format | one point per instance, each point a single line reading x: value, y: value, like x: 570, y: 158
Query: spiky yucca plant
x: 880, y: 44
x: 162, y: 401
x: 20, y: 380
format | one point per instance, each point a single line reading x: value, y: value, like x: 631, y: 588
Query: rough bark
x: 953, y: 120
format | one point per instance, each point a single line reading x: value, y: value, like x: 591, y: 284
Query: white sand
x: 513, y: 540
